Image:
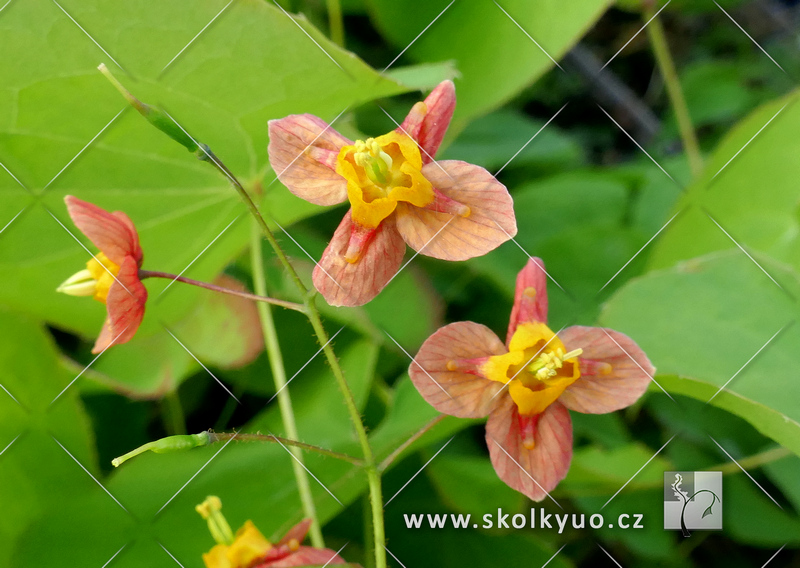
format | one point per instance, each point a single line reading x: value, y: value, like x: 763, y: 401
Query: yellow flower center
x: 95, y: 280
x: 381, y: 172
x: 231, y: 552
x: 537, y: 368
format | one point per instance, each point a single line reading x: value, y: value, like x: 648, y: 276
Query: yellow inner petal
x: 535, y: 368
x: 380, y: 173
x: 248, y: 546
x: 105, y: 277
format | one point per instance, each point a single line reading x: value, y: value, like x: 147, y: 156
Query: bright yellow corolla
x: 536, y: 368
x: 380, y: 173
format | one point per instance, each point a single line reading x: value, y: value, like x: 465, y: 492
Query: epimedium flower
x: 248, y: 548
x: 528, y: 384
x: 398, y: 195
x: 112, y: 275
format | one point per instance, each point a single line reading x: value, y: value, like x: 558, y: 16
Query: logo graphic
x: 692, y: 500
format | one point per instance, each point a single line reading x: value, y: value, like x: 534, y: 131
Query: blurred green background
x: 702, y: 271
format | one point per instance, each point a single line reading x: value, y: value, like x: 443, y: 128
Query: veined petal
x: 305, y: 556
x: 530, y: 297
x: 490, y: 223
x: 297, y: 532
x: 112, y: 233
x: 456, y: 392
x: 353, y: 284
x: 294, y: 145
x: 440, y: 105
x: 615, y: 372
x: 125, y: 303
x: 534, y: 472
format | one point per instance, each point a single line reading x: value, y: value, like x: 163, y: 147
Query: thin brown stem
x: 405, y: 445
x: 224, y: 436
x: 256, y: 298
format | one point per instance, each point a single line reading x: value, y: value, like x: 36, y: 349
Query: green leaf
x: 253, y: 480
x: 36, y: 472
x: 491, y: 141
x: 496, y: 58
x: 60, y: 102
x: 576, y: 221
x: 597, y: 471
x: 713, y: 314
x: 469, y: 484
x: 762, y: 217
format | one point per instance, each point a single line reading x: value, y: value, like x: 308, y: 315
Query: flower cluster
x: 450, y: 210
x: 398, y: 195
x: 527, y: 384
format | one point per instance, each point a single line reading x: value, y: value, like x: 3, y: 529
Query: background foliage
x: 702, y: 301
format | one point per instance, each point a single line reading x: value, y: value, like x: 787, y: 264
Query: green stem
x: 220, y: 436
x: 173, y: 413
x: 658, y: 42
x: 405, y: 445
x: 336, y: 22
x: 373, y: 476
x: 284, y: 398
x: 183, y: 442
x: 369, y: 541
x: 753, y: 462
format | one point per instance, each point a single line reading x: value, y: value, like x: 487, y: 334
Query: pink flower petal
x: 305, y: 556
x: 125, y: 303
x: 412, y: 123
x: 297, y: 532
x: 457, y: 393
x: 112, y: 233
x: 441, y: 103
x: 354, y: 284
x: 490, y: 223
x: 533, y: 472
x: 615, y: 372
x: 530, y: 297
x: 295, y: 143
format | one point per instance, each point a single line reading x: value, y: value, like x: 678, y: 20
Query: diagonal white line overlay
x: 736, y: 374
x: 638, y: 471
x: 204, y: 367
x: 89, y: 474
x: 420, y: 471
x: 196, y: 474
x: 749, y: 36
x: 528, y: 35
x: 418, y: 36
x: 745, y: 472
x: 89, y: 36
x: 191, y: 41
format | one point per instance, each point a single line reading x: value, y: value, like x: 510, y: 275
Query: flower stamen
x: 211, y: 511
x: 546, y: 365
x: 376, y: 163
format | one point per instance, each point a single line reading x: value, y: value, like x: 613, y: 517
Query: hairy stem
x: 373, y: 476
x: 284, y: 398
x: 225, y: 436
x: 256, y: 298
x: 658, y: 42
x: 405, y: 445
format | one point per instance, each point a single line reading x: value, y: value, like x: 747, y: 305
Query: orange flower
x: 527, y: 385
x: 398, y: 195
x: 112, y: 275
x: 250, y: 549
